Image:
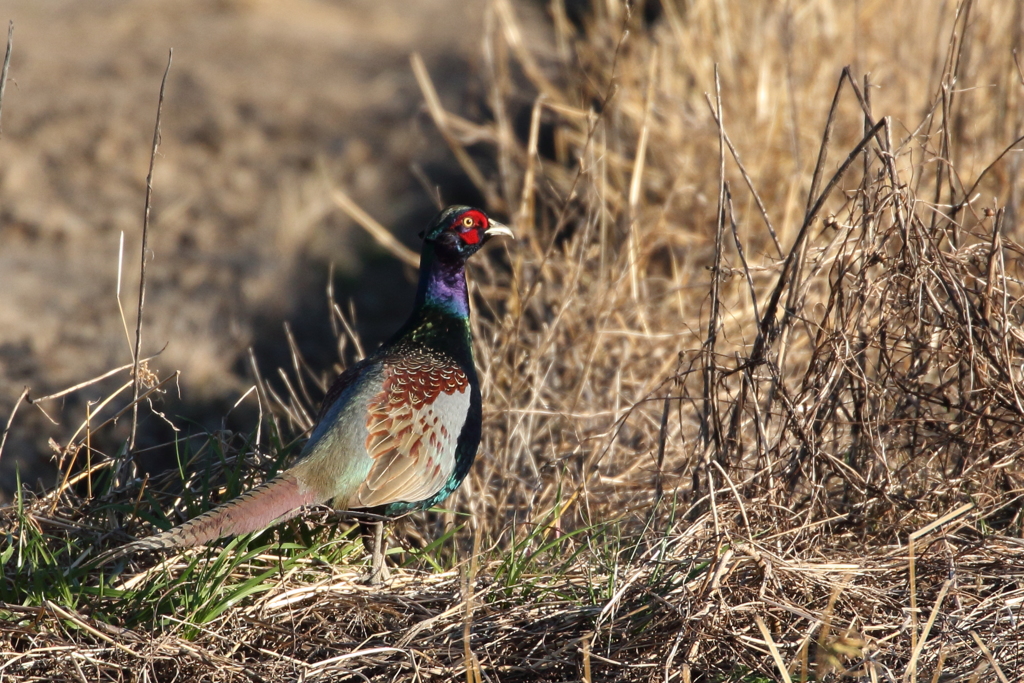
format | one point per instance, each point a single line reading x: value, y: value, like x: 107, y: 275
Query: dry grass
x: 735, y: 430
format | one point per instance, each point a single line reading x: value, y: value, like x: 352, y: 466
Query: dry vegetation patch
x: 752, y: 375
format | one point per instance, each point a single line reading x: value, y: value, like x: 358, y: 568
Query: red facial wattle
x: 471, y: 225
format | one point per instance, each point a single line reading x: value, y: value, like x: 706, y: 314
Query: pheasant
x: 399, y: 430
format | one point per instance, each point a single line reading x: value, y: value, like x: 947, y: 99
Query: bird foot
x: 377, y: 576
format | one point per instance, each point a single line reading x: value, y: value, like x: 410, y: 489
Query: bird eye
x: 468, y: 222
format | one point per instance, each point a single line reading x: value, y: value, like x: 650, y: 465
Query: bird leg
x: 378, y: 569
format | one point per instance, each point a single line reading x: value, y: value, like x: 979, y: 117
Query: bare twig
x: 10, y: 420
x: 377, y: 231
x: 3, y: 72
x: 494, y: 201
x: 136, y: 379
x: 709, y: 430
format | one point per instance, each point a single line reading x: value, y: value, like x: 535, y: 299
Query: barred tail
x: 279, y: 499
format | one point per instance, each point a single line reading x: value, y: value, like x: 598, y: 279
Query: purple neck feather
x: 443, y: 285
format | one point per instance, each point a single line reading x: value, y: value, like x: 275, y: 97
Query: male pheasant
x: 397, y: 431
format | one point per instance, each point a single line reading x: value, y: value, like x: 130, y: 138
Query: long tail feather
x: 275, y: 501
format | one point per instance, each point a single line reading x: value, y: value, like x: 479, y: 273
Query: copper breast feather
x: 413, y: 426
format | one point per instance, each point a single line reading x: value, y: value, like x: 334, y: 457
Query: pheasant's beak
x: 497, y: 228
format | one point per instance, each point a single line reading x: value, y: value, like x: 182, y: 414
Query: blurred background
x: 266, y: 104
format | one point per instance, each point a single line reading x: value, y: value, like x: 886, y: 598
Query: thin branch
x: 378, y: 232
x: 3, y: 72
x: 145, y: 247
x: 710, y: 401
x: 10, y: 420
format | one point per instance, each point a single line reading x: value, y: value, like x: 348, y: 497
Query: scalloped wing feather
x: 413, y: 425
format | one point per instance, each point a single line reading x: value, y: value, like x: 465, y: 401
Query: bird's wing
x: 413, y: 425
x: 342, y: 382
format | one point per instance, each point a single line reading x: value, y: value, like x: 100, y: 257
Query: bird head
x: 458, y: 232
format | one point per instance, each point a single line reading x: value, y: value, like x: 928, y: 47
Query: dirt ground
x: 260, y: 98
